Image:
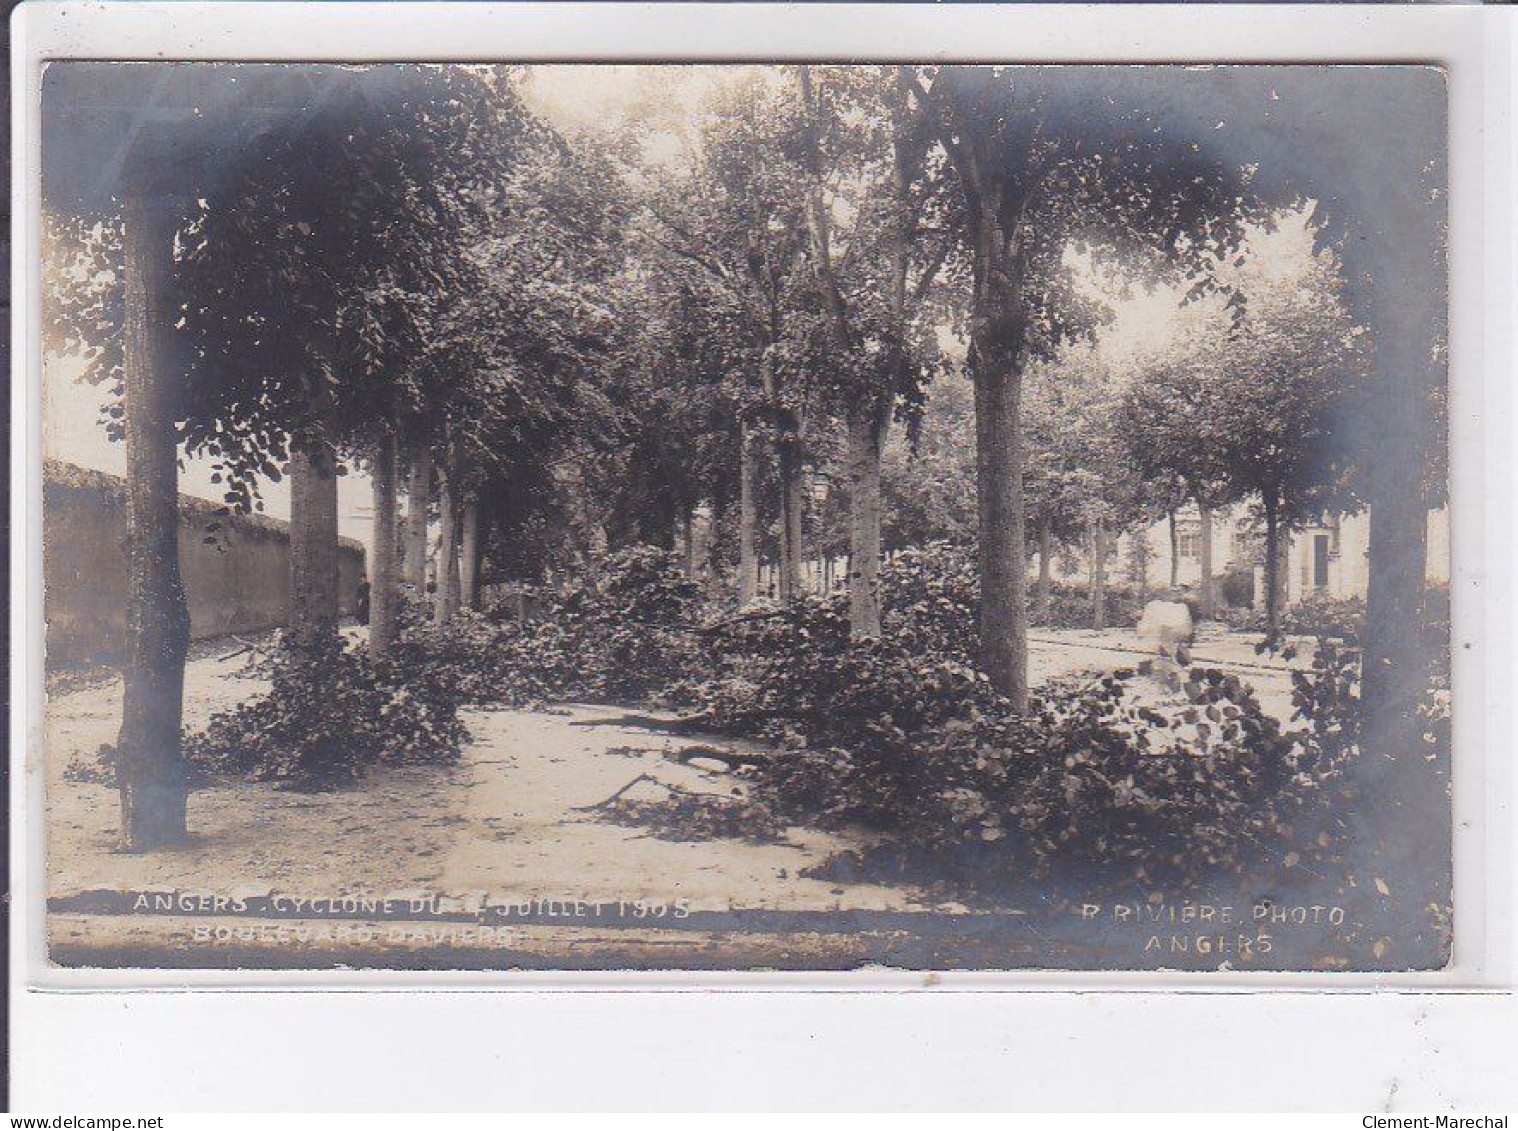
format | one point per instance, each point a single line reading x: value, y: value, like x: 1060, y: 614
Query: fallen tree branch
x: 617, y: 794
x: 673, y: 789
x: 247, y: 646
x: 686, y: 725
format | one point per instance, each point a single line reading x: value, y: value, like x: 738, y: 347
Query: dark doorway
x: 1320, y: 561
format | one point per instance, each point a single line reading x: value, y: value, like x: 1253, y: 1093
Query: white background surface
x: 939, y: 1048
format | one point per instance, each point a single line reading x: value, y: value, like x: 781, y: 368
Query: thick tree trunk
x: 1099, y: 578
x: 999, y: 494
x: 1403, y: 818
x: 1175, y: 552
x: 1045, y: 571
x: 448, y: 582
x: 869, y: 411
x: 864, y: 524
x: 789, y: 566
x: 995, y: 207
x: 1138, y: 543
x: 150, y: 764
x: 384, y: 570
x: 1209, y: 584
x: 1272, y: 571
x: 420, y: 498
x: 469, y: 556
x: 313, y: 541
x: 748, y: 518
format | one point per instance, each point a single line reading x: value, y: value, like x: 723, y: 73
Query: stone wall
x: 237, y: 577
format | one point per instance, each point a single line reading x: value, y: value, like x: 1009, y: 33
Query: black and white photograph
x: 746, y: 517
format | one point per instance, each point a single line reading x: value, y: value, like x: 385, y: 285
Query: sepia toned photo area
x: 745, y: 517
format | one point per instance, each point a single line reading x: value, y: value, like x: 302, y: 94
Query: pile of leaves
x: 1088, y: 783
x: 916, y: 745
x: 622, y: 635
x: 1178, y: 793
x: 1071, y: 606
x: 906, y: 737
x: 795, y: 677
x: 930, y: 600
x: 464, y: 655
x: 632, y: 629
x: 699, y: 816
x: 330, y: 714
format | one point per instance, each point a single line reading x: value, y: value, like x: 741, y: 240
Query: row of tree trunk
x: 865, y: 544
x: 865, y: 440
x: 1100, y: 547
x: 790, y: 473
x: 401, y: 546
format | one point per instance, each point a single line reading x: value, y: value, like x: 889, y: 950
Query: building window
x: 1320, y: 554
x: 1189, y: 544
x: 1246, y: 544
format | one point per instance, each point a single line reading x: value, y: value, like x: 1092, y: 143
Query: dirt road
x: 513, y: 819
x: 521, y: 820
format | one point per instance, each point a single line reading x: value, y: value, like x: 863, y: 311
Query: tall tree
x: 153, y: 778
x: 1269, y: 392
x: 928, y: 470
x: 1056, y: 477
x: 1085, y: 482
x: 376, y: 338
x: 1041, y: 154
x: 121, y: 178
x: 731, y: 226
x: 384, y: 589
x: 865, y: 155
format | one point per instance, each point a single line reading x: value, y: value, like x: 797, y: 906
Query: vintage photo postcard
x: 745, y: 517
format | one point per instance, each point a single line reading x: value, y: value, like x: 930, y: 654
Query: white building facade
x: 1329, y: 558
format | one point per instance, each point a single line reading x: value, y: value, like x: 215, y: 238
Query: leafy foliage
x: 793, y: 675
x: 329, y: 715
x: 1327, y: 618
x: 624, y: 634
x: 930, y: 596
x: 928, y: 471
x: 699, y: 816
x: 1090, y: 784
x: 462, y: 655
x: 1070, y: 606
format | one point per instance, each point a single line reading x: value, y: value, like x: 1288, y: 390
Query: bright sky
x: 1143, y: 323
x: 668, y: 102
x: 72, y: 431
